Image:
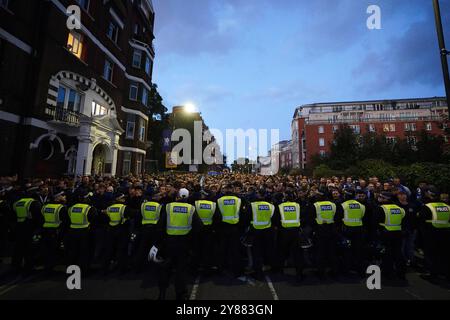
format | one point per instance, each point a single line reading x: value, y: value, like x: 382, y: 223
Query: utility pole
x: 443, y: 51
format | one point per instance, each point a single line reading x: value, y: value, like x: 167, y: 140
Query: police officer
x: 147, y: 226
x: 261, y: 229
x: 53, y: 213
x: 289, y: 223
x: 117, y: 236
x: 389, y: 218
x: 434, y: 218
x: 178, y: 221
x: 229, y: 231
x: 28, y: 215
x: 325, y: 235
x: 352, y: 224
x: 79, y: 239
x: 204, y: 240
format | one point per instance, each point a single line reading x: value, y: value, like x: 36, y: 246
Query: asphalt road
x: 274, y: 287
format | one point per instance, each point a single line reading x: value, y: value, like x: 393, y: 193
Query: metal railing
x: 378, y: 119
x: 63, y: 115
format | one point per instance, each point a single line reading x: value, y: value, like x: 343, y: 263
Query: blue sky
x: 250, y: 63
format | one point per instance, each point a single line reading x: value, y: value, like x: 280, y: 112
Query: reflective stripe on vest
x: 262, y: 214
x: 116, y: 214
x: 22, y: 209
x: 179, y: 218
x: 205, y: 210
x: 150, y: 212
x: 78, y: 216
x: 229, y: 207
x: 325, y: 211
x: 393, y: 217
x: 441, y: 215
x: 290, y: 214
x: 353, y: 213
x: 51, y: 215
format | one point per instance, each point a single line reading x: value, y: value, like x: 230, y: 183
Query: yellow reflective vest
x: 179, y: 218
x: 262, y: 213
x: 116, y: 214
x: 393, y: 217
x: 51, y: 215
x: 78, y: 215
x: 325, y: 211
x: 22, y: 209
x: 353, y: 213
x: 290, y: 214
x: 205, y: 210
x: 440, y: 215
x: 229, y: 207
x: 150, y: 212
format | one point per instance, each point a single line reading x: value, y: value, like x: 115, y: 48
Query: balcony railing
x: 63, y: 115
x: 379, y: 119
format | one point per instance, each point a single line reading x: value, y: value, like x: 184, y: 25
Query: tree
x: 239, y: 167
x: 344, y: 149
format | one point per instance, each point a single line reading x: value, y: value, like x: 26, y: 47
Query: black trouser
x: 393, y: 259
x: 288, y: 245
x: 3, y: 235
x: 145, y: 240
x: 229, y: 249
x: 23, y: 247
x: 263, y: 248
x: 354, y: 257
x: 50, y: 247
x: 116, y: 247
x: 204, y: 244
x: 437, y: 254
x: 326, y: 247
x: 79, y: 249
x: 176, y: 255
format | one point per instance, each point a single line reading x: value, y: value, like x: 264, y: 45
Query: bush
x: 323, y: 170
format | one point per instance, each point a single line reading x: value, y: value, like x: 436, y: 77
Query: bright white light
x: 190, y: 107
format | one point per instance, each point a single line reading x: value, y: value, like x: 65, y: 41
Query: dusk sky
x: 250, y: 63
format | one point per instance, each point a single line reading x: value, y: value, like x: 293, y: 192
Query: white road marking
x: 413, y: 294
x: 195, y: 288
x: 14, y: 284
x: 272, y: 288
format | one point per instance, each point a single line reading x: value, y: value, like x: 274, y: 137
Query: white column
x: 114, y: 161
x: 84, y: 156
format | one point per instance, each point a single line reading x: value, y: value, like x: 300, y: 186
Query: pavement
x: 273, y: 287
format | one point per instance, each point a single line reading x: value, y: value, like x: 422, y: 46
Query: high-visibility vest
x: 290, y: 214
x: 150, y: 212
x: 229, y: 207
x: 179, y: 218
x: 205, y: 210
x: 116, y: 214
x: 22, y: 209
x: 441, y: 215
x: 393, y: 217
x: 353, y: 213
x: 262, y: 214
x: 78, y: 215
x: 325, y: 211
x: 51, y: 215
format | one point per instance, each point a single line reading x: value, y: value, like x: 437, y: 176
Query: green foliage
x: 325, y: 171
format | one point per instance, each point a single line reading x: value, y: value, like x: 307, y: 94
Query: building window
x: 113, y: 31
x: 68, y: 99
x: 142, y: 130
x: 137, y: 55
x: 322, y: 153
x: 410, y: 127
x: 4, y: 3
x: 356, y: 129
x: 144, y: 96
x: 108, y: 70
x: 411, y: 140
x: 84, y: 4
x: 98, y: 110
x: 126, y: 168
x: 429, y: 127
x: 322, y: 142
x: 148, y: 66
x: 321, y: 129
x: 139, y: 164
x: 130, y: 127
x: 391, y: 140
x: 75, y: 44
x: 386, y: 127
x: 392, y: 127
x: 335, y: 129
x: 134, y: 91
x: 372, y: 128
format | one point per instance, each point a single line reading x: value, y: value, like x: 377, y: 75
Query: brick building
x: 313, y: 125
x: 74, y: 101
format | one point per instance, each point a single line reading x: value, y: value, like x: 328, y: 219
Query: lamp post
x: 443, y: 51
